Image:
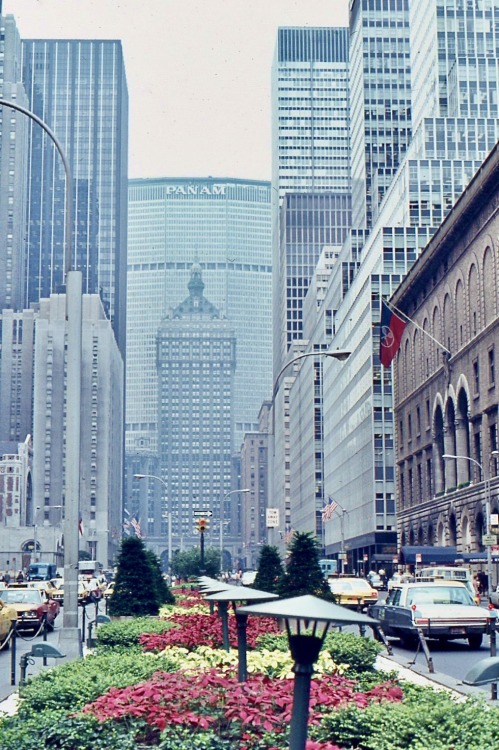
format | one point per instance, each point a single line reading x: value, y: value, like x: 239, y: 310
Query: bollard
x: 13, y: 654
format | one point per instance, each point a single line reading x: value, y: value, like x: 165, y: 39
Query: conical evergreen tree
x: 303, y: 574
x: 270, y: 570
x: 163, y: 593
x: 134, y: 588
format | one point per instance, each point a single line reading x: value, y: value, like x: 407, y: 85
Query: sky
x: 198, y: 73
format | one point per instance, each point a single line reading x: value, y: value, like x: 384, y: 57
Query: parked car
x: 494, y: 598
x: 442, y: 610
x: 31, y: 605
x: 109, y: 590
x: 353, y: 592
x: 8, y: 616
x: 448, y: 573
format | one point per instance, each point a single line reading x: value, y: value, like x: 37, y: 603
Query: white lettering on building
x: 195, y: 189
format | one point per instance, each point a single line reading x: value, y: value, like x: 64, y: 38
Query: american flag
x: 135, y: 524
x: 328, y: 510
x: 80, y: 525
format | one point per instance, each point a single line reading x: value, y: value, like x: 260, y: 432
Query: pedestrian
x: 476, y: 585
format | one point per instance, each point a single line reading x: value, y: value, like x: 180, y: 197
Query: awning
x: 429, y: 555
x: 476, y: 557
x: 383, y: 557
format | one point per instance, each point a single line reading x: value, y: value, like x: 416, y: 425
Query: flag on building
x: 391, y: 330
x: 135, y: 524
x: 80, y: 525
x: 328, y: 510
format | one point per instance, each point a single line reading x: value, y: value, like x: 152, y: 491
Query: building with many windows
x: 224, y: 225
x: 13, y: 186
x: 446, y: 401
x: 448, y: 145
x: 78, y: 88
x: 196, y: 362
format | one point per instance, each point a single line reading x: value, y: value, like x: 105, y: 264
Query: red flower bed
x: 205, y: 630
x: 234, y: 710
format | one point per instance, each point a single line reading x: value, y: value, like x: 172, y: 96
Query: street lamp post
x: 487, y: 508
x: 222, y: 521
x: 169, y: 512
x: 339, y: 354
x: 70, y: 633
x: 342, y: 532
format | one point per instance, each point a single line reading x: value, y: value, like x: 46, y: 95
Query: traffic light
x: 202, y: 525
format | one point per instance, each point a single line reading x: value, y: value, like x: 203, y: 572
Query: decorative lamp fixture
x: 307, y: 621
x: 234, y: 595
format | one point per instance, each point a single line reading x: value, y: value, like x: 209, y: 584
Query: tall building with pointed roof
x: 196, y: 361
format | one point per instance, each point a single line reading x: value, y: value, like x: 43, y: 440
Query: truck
x: 41, y: 571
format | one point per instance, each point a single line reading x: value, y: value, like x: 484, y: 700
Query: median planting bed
x: 167, y: 683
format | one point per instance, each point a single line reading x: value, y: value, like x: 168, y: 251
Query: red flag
x: 391, y: 330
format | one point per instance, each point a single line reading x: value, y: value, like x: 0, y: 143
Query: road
x: 10, y: 668
x: 454, y: 658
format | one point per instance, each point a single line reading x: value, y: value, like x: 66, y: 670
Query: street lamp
x: 168, y: 514
x: 307, y: 620
x: 222, y: 521
x: 487, y: 508
x: 70, y: 633
x: 342, y: 532
x: 340, y: 354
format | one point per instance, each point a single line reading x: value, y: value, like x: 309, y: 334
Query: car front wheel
x: 475, y: 641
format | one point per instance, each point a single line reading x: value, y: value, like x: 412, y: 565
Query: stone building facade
x: 446, y: 378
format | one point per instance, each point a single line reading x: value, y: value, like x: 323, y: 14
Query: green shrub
x: 273, y: 642
x: 126, y: 633
x: 72, y: 685
x: 180, y: 738
x: 348, y: 648
x: 426, y: 720
x: 54, y: 729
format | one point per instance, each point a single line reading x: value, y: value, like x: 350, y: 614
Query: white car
x: 248, y: 577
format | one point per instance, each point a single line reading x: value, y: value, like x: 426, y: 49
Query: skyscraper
x: 196, y: 361
x: 224, y: 224
x: 13, y: 143
x: 310, y: 166
x: 78, y: 87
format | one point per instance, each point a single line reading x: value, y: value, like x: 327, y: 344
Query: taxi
x: 8, y: 616
x: 32, y: 606
x: 353, y: 592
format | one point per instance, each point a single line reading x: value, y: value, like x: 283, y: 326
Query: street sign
x: 204, y: 513
x: 419, y: 557
x: 272, y: 518
x: 488, y: 540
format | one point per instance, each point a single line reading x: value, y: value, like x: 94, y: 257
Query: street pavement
x: 10, y: 670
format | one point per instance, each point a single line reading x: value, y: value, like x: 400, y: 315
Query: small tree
x: 270, y: 570
x: 163, y: 593
x: 134, y: 589
x: 187, y: 564
x: 303, y: 574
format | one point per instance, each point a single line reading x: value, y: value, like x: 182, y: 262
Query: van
x: 448, y: 573
x: 41, y: 571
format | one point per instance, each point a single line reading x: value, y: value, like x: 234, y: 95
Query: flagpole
x: 410, y: 320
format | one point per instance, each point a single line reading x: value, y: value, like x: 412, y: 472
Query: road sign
x: 272, y: 518
x: 488, y: 540
x: 204, y: 513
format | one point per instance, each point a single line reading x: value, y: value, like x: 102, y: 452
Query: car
x: 444, y: 611
x: 109, y: 590
x: 353, y: 592
x: 47, y: 586
x: 84, y: 595
x: 398, y: 579
x: 32, y: 606
x: 8, y: 616
x: 376, y: 581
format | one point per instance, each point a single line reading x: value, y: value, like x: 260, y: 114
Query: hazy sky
x: 198, y: 73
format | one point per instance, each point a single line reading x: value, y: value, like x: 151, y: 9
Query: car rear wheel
x: 408, y: 640
x: 475, y: 641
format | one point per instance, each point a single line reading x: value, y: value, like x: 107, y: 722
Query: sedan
x: 32, y: 607
x: 353, y: 592
x: 444, y: 611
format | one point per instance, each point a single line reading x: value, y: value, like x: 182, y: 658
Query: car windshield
x: 357, y: 585
x: 19, y: 596
x: 438, y: 595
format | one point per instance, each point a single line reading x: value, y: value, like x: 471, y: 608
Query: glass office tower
x: 78, y: 87
x: 310, y: 155
x: 224, y: 225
